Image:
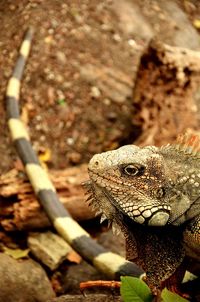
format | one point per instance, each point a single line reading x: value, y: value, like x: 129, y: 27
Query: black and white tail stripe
x: 109, y: 263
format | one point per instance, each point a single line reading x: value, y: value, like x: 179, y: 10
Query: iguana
x: 111, y: 264
x: 152, y: 195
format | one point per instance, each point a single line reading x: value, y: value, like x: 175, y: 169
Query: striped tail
x: 107, y: 262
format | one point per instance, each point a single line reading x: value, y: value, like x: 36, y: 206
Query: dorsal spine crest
x: 189, y: 144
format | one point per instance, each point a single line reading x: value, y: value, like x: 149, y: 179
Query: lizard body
x: 111, y: 264
x: 152, y: 195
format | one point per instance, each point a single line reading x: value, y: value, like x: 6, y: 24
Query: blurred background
x: 77, y: 96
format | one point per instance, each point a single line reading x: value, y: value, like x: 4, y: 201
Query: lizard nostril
x: 95, y: 162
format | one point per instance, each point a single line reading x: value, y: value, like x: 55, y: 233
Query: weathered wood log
x: 167, y: 93
x: 19, y: 208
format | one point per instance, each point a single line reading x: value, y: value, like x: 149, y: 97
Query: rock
x: 184, y: 35
x: 75, y: 274
x: 131, y: 20
x: 88, y: 298
x: 83, y: 273
x: 49, y: 248
x: 23, y: 281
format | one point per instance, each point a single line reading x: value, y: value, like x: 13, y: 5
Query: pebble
x: 60, y: 56
x: 12, y: 7
x: 95, y: 92
x: 132, y: 43
x: 107, y: 101
x: 70, y: 141
x: 116, y: 37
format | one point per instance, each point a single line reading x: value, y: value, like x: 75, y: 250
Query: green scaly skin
x: 152, y: 195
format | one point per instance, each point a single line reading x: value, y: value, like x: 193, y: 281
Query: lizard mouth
x: 151, y: 215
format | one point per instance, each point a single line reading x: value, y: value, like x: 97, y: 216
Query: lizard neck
x: 185, y: 185
x: 157, y: 250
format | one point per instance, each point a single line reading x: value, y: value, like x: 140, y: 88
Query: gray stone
x: 131, y: 20
x: 23, y: 281
x: 88, y: 298
x: 185, y: 35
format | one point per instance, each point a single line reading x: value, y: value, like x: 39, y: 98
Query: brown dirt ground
x: 65, y: 113
x: 61, y: 112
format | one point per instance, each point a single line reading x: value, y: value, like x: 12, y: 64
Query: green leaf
x: 61, y: 102
x: 168, y: 296
x: 16, y: 253
x: 135, y: 290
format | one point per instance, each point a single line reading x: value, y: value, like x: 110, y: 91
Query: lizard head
x: 132, y: 181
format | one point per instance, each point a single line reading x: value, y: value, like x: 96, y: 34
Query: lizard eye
x: 131, y: 170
